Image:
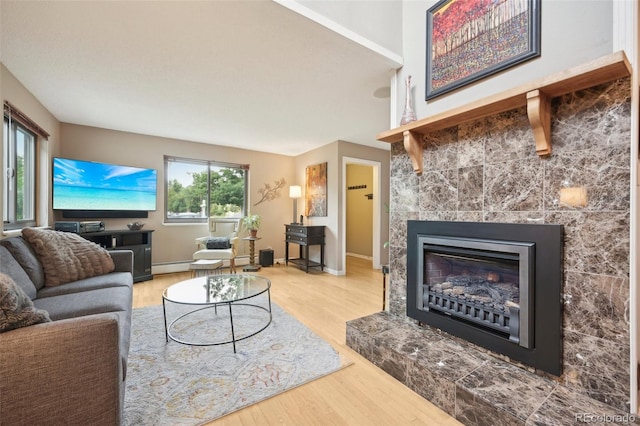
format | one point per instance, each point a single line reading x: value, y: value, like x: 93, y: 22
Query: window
x: 19, y: 165
x: 196, y: 189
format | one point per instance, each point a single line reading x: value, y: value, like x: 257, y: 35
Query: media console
x: 137, y: 241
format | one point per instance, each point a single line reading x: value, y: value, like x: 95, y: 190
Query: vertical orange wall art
x: 316, y: 190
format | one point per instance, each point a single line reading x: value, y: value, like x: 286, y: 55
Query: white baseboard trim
x: 361, y: 256
x: 183, y: 266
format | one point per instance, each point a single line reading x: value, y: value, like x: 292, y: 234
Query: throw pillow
x: 16, y: 309
x: 67, y: 257
x: 218, y: 243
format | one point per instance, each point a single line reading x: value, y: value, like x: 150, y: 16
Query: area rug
x: 176, y: 384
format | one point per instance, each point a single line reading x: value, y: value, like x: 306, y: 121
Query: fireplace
x: 496, y: 285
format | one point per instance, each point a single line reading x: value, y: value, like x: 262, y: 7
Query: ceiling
x: 248, y: 74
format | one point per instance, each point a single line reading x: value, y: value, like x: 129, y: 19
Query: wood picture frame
x: 316, y: 190
x: 468, y: 40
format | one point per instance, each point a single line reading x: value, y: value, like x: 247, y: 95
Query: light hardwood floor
x: 360, y: 394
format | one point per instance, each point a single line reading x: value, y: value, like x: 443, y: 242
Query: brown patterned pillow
x: 67, y: 257
x: 16, y: 309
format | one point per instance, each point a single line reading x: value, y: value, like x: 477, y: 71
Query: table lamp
x: 295, y: 192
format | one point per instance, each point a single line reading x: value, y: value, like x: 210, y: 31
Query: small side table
x: 205, y: 267
x: 252, y: 267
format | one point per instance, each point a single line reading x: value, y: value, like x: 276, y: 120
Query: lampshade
x: 295, y: 191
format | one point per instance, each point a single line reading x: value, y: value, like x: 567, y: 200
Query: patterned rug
x: 175, y: 384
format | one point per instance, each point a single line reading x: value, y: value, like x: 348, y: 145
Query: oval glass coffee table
x: 211, y: 291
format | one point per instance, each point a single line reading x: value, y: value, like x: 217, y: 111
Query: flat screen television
x: 89, y: 189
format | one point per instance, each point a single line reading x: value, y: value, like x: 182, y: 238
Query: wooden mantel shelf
x: 536, y: 95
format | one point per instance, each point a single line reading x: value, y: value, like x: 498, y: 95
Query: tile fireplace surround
x: 488, y: 171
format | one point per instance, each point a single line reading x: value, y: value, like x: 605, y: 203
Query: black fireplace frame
x: 546, y: 354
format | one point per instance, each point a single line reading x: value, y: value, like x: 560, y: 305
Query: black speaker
x: 266, y: 257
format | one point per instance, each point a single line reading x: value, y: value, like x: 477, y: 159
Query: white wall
x: 378, y: 21
x: 573, y: 32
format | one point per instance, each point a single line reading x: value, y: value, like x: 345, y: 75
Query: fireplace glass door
x: 485, y: 283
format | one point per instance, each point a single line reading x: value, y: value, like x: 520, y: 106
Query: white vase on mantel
x: 408, y: 115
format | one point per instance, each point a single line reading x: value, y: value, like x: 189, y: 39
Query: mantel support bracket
x: 539, y: 112
x: 413, y: 146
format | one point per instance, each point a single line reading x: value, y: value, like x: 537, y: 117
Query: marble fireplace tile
x: 409, y: 340
x: 469, y: 217
x: 473, y: 410
x: 449, y: 358
x: 441, y: 215
x: 395, y: 348
x: 400, y: 164
x: 470, y: 188
x: 398, y: 226
x: 595, y: 242
x: 389, y: 361
x: 532, y: 218
x: 598, y: 116
x: 507, y: 388
x: 597, y: 305
x: 441, y: 149
x: 514, y: 185
x: 471, y: 140
x: 509, y: 137
x: 404, y: 190
x: 598, y: 368
x: 397, y: 280
x: 376, y: 323
x: 603, y: 173
x: 439, y: 190
x: 436, y: 389
x: 565, y: 407
x: 359, y: 341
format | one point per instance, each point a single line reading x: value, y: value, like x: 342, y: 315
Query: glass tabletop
x: 211, y: 289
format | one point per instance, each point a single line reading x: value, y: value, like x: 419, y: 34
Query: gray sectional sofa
x: 70, y: 370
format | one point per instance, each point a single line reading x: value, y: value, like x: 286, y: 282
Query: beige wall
x: 568, y: 39
x: 328, y: 154
x: 359, y: 210
x: 175, y: 243
x: 13, y: 91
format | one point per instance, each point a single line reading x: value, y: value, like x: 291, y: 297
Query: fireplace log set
x: 480, y: 299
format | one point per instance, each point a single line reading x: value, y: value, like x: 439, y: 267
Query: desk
x: 252, y: 267
x: 304, y: 236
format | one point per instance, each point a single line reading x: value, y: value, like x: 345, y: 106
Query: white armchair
x: 220, y: 229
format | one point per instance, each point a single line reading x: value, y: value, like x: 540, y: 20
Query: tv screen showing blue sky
x: 86, y: 185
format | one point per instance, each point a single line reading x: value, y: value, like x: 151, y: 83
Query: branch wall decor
x: 270, y: 193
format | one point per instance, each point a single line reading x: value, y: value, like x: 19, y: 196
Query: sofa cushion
x: 72, y: 305
x: 113, y: 279
x: 16, y: 308
x: 27, y: 258
x: 67, y: 257
x: 10, y: 266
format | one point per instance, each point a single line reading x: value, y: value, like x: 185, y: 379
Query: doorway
x: 361, y: 210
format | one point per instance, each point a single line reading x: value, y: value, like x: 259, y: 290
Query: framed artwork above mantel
x: 468, y: 40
